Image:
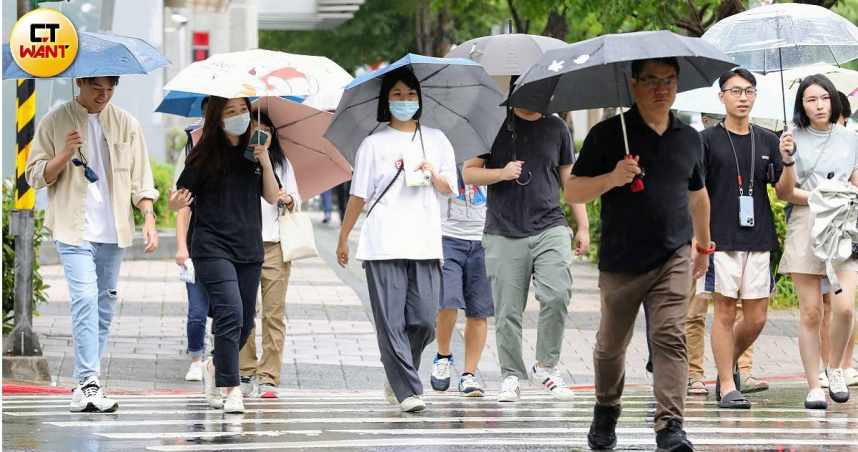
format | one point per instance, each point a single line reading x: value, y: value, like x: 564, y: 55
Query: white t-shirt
x: 270, y: 227
x: 464, y: 216
x: 405, y: 223
x: 100, y: 224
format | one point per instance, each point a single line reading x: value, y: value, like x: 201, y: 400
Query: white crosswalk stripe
x: 365, y: 421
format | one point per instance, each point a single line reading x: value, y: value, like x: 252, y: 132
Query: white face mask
x: 237, y: 125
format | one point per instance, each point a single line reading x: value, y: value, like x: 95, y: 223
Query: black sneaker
x: 672, y: 438
x: 603, y: 434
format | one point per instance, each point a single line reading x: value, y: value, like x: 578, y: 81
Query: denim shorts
x: 466, y: 285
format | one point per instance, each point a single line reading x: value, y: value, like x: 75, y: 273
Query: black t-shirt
x: 514, y: 210
x: 227, y: 215
x: 722, y: 185
x: 641, y: 230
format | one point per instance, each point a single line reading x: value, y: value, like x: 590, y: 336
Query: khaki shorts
x: 798, y: 254
x: 744, y: 275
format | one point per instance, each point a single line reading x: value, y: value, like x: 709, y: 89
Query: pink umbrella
x: 318, y: 165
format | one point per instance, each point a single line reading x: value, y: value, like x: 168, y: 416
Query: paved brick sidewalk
x: 330, y: 342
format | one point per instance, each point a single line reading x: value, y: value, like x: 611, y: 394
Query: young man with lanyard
x: 645, y: 249
x: 92, y: 158
x: 739, y: 161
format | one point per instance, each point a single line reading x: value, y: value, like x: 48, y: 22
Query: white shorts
x: 744, y: 275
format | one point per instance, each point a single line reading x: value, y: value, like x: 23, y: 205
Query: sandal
x: 733, y: 400
x: 696, y: 387
x: 749, y: 384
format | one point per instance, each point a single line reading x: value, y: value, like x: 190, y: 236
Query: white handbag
x: 296, y: 235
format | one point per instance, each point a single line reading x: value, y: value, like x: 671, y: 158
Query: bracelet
x: 787, y: 165
x: 702, y: 251
x: 148, y: 212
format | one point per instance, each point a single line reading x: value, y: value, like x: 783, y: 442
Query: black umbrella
x: 595, y: 73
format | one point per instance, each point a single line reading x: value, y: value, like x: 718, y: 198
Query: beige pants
x: 275, y: 281
x: 666, y: 289
x: 695, y: 326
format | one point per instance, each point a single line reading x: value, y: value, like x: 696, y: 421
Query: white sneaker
x: 268, y: 391
x: 851, y: 376
x: 248, y: 386
x: 649, y: 378
x: 412, y: 404
x: 837, y: 389
x: 234, y: 403
x: 89, y: 398
x: 510, y: 390
x: 441, y: 370
x: 213, y: 395
x: 823, y: 379
x: 195, y: 372
x: 816, y: 400
x: 470, y: 387
x: 389, y: 395
x: 553, y: 383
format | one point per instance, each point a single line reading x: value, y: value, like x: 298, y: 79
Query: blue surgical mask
x: 236, y: 125
x: 404, y: 110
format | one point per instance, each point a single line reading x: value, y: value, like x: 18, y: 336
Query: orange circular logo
x: 43, y: 42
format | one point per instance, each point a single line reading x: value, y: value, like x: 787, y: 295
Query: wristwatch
x: 150, y: 212
x: 787, y: 165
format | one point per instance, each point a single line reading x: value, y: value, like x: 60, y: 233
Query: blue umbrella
x: 189, y: 105
x: 459, y: 98
x: 98, y: 55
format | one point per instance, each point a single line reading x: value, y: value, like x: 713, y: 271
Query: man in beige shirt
x: 92, y: 158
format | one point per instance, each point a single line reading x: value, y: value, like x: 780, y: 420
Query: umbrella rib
x: 434, y: 73
x: 296, y: 122
x: 448, y: 108
x: 452, y: 87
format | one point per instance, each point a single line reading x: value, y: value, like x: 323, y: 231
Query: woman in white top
x: 824, y: 150
x: 400, y: 171
x: 262, y: 376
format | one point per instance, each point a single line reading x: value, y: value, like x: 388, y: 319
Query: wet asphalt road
x: 362, y: 421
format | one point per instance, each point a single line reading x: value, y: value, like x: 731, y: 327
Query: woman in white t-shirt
x: 824, y: 150
x: 400, y: 171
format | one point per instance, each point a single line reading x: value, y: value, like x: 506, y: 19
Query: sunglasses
x: 88, y: 173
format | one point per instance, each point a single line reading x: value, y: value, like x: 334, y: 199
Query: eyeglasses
x: 737, y: 92
x: 88, y: 173
x: 653, y: 82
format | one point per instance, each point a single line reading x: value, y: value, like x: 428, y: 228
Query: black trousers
x: 232, y: 291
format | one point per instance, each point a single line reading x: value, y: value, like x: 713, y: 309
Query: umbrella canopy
x: 766, y: 106
x: 257, y: 73
x: 99, y: 55
x: 595, y: 73
x: 784, y: 36
x: 189, y: 105
x: 318, y: 165
x: 505, y: 55
x: 459, y: 98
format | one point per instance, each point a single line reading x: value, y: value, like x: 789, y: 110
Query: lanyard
x: 735, y: 156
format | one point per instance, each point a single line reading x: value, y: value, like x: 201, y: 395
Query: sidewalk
x: 330, y: 341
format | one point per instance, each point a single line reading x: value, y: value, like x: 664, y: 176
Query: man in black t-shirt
x: 645, y: 247
x: 739, y: 161
x: 526, y: 236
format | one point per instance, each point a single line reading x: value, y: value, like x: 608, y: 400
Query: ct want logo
x: 44, y: 42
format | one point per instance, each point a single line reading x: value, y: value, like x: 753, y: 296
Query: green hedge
x: 785, y: 298
x: 41, y: 234
x: 163, y: 176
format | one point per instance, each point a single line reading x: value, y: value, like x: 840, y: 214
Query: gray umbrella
x: 505, y: 55
x: 785, y: 36
x: 595, y: 73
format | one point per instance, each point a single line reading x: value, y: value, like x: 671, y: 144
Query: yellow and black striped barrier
x: 25, y: 115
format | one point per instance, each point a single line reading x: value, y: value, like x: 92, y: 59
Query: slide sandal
x: 734, y: 400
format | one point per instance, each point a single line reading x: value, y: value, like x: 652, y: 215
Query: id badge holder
x: 411, y: 158
x: 746, y: 211
x: 95, y: 192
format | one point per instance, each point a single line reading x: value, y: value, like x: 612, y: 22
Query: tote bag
x: 296, y: 235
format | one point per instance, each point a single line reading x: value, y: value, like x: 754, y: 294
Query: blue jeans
x: 92, y: 271
x: 327, y: 203
x: 198, y: 311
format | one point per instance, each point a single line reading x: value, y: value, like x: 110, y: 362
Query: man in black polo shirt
x: 645, y: 247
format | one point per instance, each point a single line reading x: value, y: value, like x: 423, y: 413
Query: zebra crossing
x: 306, y: 420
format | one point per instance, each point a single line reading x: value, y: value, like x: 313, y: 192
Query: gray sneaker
x: 268, y: 391
x: 248, y: 386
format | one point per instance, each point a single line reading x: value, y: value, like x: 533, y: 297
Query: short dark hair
x: 799, y: 116
x: 845, y: 106
x: 113, y: 80
x: 404, y: 75
x: 737, y: 72
x: 638, y: 65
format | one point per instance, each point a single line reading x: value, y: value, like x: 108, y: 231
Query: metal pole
x: 23, y: 341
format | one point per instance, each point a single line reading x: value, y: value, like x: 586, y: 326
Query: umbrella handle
x: 529, y: 178
x: 625, y: 135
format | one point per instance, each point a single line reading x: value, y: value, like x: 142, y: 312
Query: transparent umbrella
x: 785, y: 36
